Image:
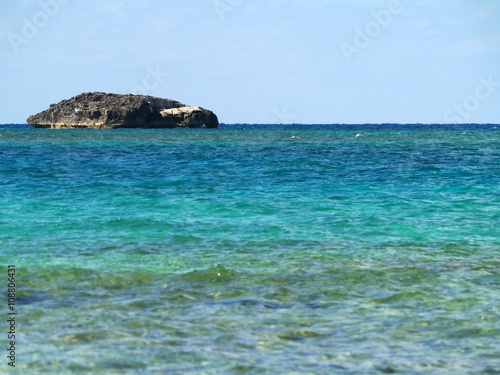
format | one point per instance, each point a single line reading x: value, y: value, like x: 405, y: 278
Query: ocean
x: 301, y: 249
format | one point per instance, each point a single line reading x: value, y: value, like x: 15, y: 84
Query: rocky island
x: 106, y: 111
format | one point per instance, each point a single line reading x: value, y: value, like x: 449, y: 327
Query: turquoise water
x: 253, y: 250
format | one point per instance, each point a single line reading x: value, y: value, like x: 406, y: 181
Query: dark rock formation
x: 100, y: 110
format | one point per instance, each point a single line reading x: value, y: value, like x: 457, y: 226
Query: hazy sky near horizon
x: 260, y: 61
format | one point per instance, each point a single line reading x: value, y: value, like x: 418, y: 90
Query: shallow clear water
x: 247, y: 249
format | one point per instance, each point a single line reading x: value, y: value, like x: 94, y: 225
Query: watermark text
x: 462, y: 111
x: 31, y: 26
x: 363, y: 37
x: 11, y: 315
x: 222, y: 7
x: 153, y: 78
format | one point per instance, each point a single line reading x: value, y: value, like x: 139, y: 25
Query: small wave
x: 254, y: 303
x: 215, y: 273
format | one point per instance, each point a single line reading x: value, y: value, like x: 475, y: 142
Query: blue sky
x: 260, y: 61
